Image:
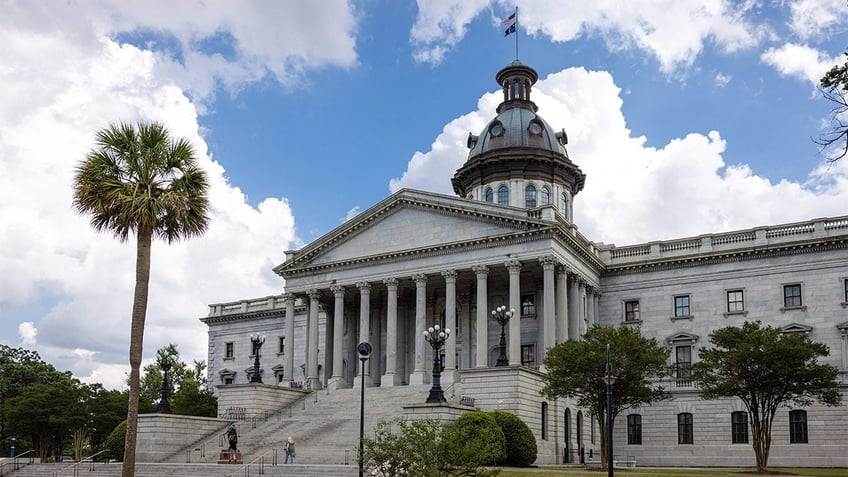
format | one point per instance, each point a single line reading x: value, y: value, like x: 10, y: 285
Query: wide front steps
x: 185, y: 470
x: 324, y: 425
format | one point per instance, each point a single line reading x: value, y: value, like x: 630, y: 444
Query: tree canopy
x: 575, y: 369
x: 187, y: 385
x: 766, y: 369
x: 140, y: 181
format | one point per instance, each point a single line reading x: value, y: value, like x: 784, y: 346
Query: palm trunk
x: 139, y: 312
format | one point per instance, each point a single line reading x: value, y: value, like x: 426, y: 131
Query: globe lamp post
x: 164, y: 406
x: 364, y: 350
x: 436, y: 337
x: 502, y: 316
x: 609, y: 380
x: 257, y: 341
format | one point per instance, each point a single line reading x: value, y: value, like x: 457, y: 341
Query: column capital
x: 364, y: 287
x: 314, y: 294
x: 514, y: 266
x: 420, y: 279
x: 289, y: 296
x: 450, y: 275
x: 391, y: 282
x: 563, y: 270
x: 482, y: 271
x: 548, y: 262
x: 337, y: 290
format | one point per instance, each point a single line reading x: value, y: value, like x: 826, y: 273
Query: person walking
x: 289, y: 448
x: 232, y: 440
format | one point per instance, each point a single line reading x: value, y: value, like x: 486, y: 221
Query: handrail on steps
x: 260, y: 459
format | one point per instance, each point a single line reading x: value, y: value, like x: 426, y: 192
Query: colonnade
x: 569, y: 304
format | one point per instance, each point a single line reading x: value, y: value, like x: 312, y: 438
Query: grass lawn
x: 669, y: 472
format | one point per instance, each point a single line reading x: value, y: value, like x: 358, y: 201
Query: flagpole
x: 516, y: 32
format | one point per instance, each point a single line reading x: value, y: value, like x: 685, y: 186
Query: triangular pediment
x: 410, y: 222
x: 796, y: 328
x: 682, y: 338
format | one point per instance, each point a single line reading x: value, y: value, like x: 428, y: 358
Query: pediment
x: 796, y: 328
x: 682, y: 338
x: 410, y: 222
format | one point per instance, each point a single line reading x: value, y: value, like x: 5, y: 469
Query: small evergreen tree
x: 521, y: 448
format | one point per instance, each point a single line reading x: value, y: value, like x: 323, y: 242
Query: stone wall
x: 162, y: 435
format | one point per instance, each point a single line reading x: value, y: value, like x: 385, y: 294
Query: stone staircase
x: 184, y: 470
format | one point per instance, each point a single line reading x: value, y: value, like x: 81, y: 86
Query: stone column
x: 573, y: 309
x: 419, y: 372
x: 597, y: 297
x: 391, y: 377
x: 337, y: 380
x: 312, y: 381
x: 482, y: 273
x: 562, y: 304
x: 289, y: 351
x: 548, y: 266
x: 449, y: 372
x: 514, y: 348
x: 581, y: 304
x: 364, y: 329
x: 590, y: 305
x: 465, y: 323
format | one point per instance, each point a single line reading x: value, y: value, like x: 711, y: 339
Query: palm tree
x: 138, y: 180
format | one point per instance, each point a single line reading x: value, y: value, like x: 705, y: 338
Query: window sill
x: 686, y: 317
x: 784, y: 309
x: 844, y: 304
x: 532, y: 316
x: 279, y: 353
x: 735, y: 313
x: 229, y: 358
x: 631, y: 322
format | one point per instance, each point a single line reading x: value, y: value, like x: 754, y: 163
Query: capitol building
x: 507, y: 238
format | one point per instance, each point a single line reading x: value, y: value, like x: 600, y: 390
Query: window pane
x: 739, y: 427
x: 503, y: 195
x: 735, y: 301
x: 684, y: 362
x: 530, y: 196
x: 792, y: 295
x: 545, y: 195
x: 684, y: 429
x: 634, y: 429
x: 681, y: 305
x: 631, y: 310
x: 528, y: 355
x: 528, y: 305
x: 798, y: 427
x: 490, y: 195
x: 564, y: 200
x: 846, y: 289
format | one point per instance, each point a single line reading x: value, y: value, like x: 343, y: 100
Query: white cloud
x: 66, y: 285
x: 722, y: 80
x: 816, y: 18
x: 801, y: 61
x: 674, y: 32
x: 635, y: 193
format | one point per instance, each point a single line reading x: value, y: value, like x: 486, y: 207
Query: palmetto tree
x: 140, y: 181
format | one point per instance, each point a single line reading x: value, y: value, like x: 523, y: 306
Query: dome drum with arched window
x: 519, y: 151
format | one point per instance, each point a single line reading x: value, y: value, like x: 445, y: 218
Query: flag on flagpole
x: 510, y: 20
x: 509, y: 30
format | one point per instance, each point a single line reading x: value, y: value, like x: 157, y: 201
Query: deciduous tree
x: 766, y: 369
x: 834, y: 87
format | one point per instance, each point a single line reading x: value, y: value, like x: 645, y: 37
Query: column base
x: 313, y: 384
x: 390, y: 380
x: 449, y: 376
x: 337, y: 382
x: 357, y: 381
x: 418, y: 378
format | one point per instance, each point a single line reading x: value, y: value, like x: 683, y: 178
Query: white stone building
x: 417, y: 259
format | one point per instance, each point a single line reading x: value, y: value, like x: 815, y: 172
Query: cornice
x: 250, y: 315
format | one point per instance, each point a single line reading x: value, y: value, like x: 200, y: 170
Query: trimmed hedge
x: 521, y: 449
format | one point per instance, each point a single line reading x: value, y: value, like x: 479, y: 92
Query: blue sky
x: 688, y: 118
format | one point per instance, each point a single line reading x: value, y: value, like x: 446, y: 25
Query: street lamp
x: 164, y: 406
x: 609, y: 380
x: 502, y: 316
x: 436, y: 337
x: 257, y: 341
x: 364, y: 350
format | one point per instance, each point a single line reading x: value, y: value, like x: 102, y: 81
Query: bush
x: 474, y: 440
x: 115, y: 442
x: 521, y: 449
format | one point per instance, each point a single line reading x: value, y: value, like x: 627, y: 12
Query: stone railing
x: 267, y: 303
x: 728, y: 241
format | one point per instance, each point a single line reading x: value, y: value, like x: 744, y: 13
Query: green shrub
x: 474, y: 440
x: 521, y: 449
x: 115, y: 442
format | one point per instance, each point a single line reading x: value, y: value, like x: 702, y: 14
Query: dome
x: 518, y: 147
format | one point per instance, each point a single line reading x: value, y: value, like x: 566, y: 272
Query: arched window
x: 530, y: 196
x: 545, y: 195
x: 490, y: 195
x: 544, y: 421
x: 564, y: 200
x: 568, y: 450
x: 503, y: 195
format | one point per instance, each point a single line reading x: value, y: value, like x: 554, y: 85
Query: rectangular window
x: 528, y: 305
x: 685, y: 432
x: 528, y: 355
x: 229, y: 350
x: 845, y: 286
x: 681, y: 306
x: 735, y: 301
x: 281, y: 346
x: 634, y: 429
x: 792, y: 295
x: 684, y: 362
x: 797, y: 427
x: 631, y: 310
x: 739, y: 427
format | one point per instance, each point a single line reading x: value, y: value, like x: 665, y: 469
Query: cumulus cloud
x: 801, y: 61
x: 635, y: 193
x: 815, y: 18
x: 64, y: 77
